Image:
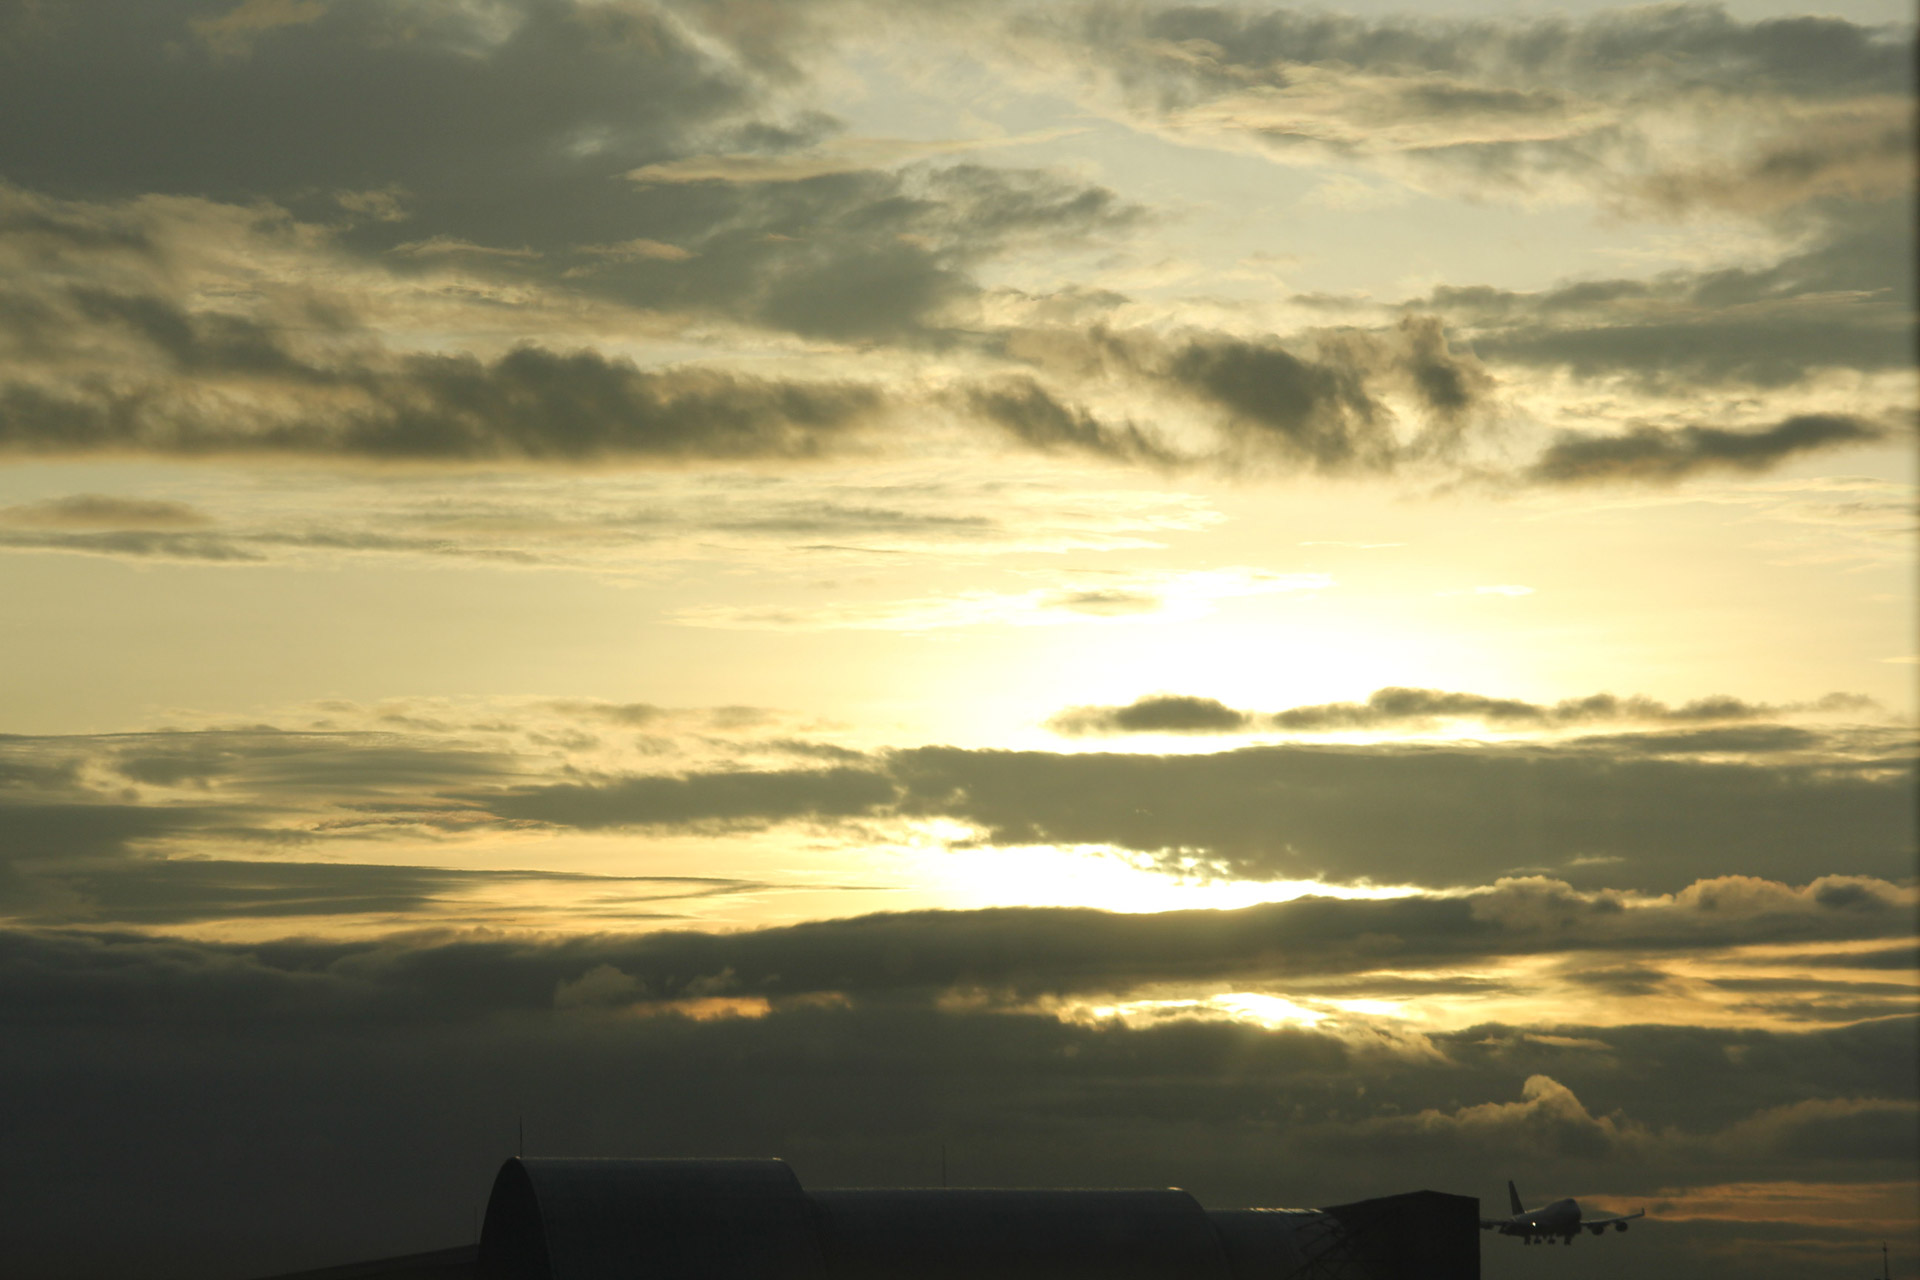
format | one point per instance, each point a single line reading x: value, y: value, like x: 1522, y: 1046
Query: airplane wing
x: 1617, y: 1221
x: 1609, y: 1221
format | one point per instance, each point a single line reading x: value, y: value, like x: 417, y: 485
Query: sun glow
x: 1254, y: 1007
x: 1098, y: 876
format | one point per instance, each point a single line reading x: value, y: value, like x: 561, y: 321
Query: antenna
x: 523, y: 1134
x: 943, y: 1164
x: 1884, y: 1272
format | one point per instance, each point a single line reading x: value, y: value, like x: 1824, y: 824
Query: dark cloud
x: 1006, y: 957
x: 335, y: 765
x: 1902, y: 957
x: 838, y: 519
x: 94, y: 830
x: 522, y: 535
x: 858, y: 256
x: 199, y: 381
x: 1664, y: 455
x: 75, y: 842
x: 1432, y: 815
x: 89, y: 511
x: 301, y: 1103
x: 508, y: 124
x: 1401, y: 707
x: 530, y: 404
x: 153, y: 892
x: 1646, y: 811
x: 1834, y: 1129
x: 1840, y: 303
x: 890, y: 265
x: 1158, y: 713
x: 1519, y: 104
x: 1320, y: 413
x: 48, y: 775
x: 1326, y: 412
x: 138, y: 544
x: 1321, y: 401
x: 1752, y: 740
x: 1037, y: 418
x: 1858, y: 154
x: 745, y: 797
x: 1666, y: 354
x: 1801, y: 57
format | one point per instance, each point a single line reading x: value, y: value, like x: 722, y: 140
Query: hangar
x: 742, y: 1219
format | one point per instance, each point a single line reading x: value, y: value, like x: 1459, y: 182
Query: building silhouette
x: 617, y: 1219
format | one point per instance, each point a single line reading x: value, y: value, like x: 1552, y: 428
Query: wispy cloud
x: 1113, y: 597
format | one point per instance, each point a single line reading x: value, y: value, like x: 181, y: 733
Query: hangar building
x: 614, y: 1219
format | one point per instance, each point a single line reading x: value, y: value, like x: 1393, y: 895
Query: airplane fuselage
x: 1561, y: 1218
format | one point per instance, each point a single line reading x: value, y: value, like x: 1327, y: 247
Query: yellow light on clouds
x: 1097, y: 876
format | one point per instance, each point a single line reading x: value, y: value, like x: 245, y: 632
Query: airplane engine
x: 1619, y: 1226
x: 1599, y: 1229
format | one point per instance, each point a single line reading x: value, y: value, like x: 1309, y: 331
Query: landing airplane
x: 1561, y: 1218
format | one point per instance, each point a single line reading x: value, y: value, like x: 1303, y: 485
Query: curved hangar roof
x: 577, y: 1219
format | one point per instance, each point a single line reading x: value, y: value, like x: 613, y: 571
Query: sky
x: 1302, y: 603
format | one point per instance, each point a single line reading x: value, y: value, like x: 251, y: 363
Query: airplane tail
x: 1514, y: 1197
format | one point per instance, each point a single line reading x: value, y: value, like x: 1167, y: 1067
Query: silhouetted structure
x: 566, y: 1219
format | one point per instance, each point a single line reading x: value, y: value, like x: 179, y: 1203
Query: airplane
x: 1561, y: 1218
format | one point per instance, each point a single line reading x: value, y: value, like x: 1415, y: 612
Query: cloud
x: 1831, y: 1129
x: 103, y: 511
x: 1014, y: 959
x: 1665, y: 455
x: 65, y: 831
x: 834, y: 155
x: 1402, y: 707
x: 423, y: 1045
x: 1158, y: 713
x: 861, y: 256
x: 626, y: 523
x: 1606, y: 811
x: 102, y: 524
x: 146, y: 893
x: 1318, y: 412
x: 1548, y: 1121
x: 1328, y: 412
x: 1432, y: 815
x: 136, y: 544
x: 1859, y: 1209
x: 1651, y: 811
x: 504, y: 124
x: 1828, y: 304
x: 1036, y: 417
x: 972, y: 1023
x: 114, y: 356
x: 1336, y: 401
x: 1075, y: 598
x: 738, y: 798
x: 114, y: 360
x: 1766, y: 113
x: 529, y: 404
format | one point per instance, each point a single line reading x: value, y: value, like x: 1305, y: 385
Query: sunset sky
x: 1301, y: 603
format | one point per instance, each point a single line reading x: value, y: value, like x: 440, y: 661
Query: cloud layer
x: 110, y: 828
x: 432, y: 1049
